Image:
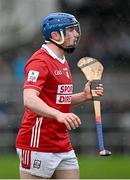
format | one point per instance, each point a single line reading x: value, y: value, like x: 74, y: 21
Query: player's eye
x: 71, y: 29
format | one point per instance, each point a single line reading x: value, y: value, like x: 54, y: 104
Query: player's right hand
x: 71, y: 120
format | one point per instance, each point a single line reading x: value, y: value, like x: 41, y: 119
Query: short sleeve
x: 36, y: 73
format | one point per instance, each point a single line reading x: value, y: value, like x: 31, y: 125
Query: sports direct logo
x: 64, y: 93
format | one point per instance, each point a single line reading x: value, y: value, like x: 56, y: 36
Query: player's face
x: 72, y: 35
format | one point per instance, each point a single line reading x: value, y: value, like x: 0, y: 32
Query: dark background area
x: 105, y: 32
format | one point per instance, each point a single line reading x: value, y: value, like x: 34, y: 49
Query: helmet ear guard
x: 62, y: 39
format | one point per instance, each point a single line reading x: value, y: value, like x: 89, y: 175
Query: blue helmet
x: 57, y: 22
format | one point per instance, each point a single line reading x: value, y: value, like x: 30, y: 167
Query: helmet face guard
x: 71, y: 48
x: 60, y: 22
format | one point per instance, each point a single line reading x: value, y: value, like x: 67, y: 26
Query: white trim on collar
x: 52, y: 54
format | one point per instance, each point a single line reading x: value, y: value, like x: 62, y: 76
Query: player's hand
x: 71, y: 120
x: 87, y: 90
x: 99, y: 90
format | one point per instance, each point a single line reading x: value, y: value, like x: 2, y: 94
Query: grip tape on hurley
x: 94, y: 84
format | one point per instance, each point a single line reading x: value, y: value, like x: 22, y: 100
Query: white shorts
x: 44, y: 164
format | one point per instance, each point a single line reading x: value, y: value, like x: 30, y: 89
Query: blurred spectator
x: 18, y: 65
x: 5, y: 89
x: 6, y: 80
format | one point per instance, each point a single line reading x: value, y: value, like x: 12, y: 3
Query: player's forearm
x: 80, y: 98
x: 40, y: 107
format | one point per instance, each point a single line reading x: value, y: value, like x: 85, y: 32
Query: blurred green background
x: 114, y: 167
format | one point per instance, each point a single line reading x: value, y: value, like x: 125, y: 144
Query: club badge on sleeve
x: 32, y: 76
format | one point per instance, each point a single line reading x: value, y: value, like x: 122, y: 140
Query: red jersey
x: 51, y: 76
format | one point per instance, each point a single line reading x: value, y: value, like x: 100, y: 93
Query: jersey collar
x: 52, y: 54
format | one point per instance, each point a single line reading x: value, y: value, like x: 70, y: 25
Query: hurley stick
x: 93, y: 71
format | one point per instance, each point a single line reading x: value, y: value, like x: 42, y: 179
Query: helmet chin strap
x: 68, y: 49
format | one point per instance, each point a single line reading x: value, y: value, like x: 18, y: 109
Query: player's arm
x: 86, y: 94
x: 37, y: 105
x: 33, y: 102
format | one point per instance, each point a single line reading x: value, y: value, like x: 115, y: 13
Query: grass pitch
x: 113, y: 167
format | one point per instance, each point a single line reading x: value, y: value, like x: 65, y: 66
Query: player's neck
x: 59, y: 52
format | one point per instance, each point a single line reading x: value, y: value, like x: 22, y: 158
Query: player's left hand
x: 98, y: 91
